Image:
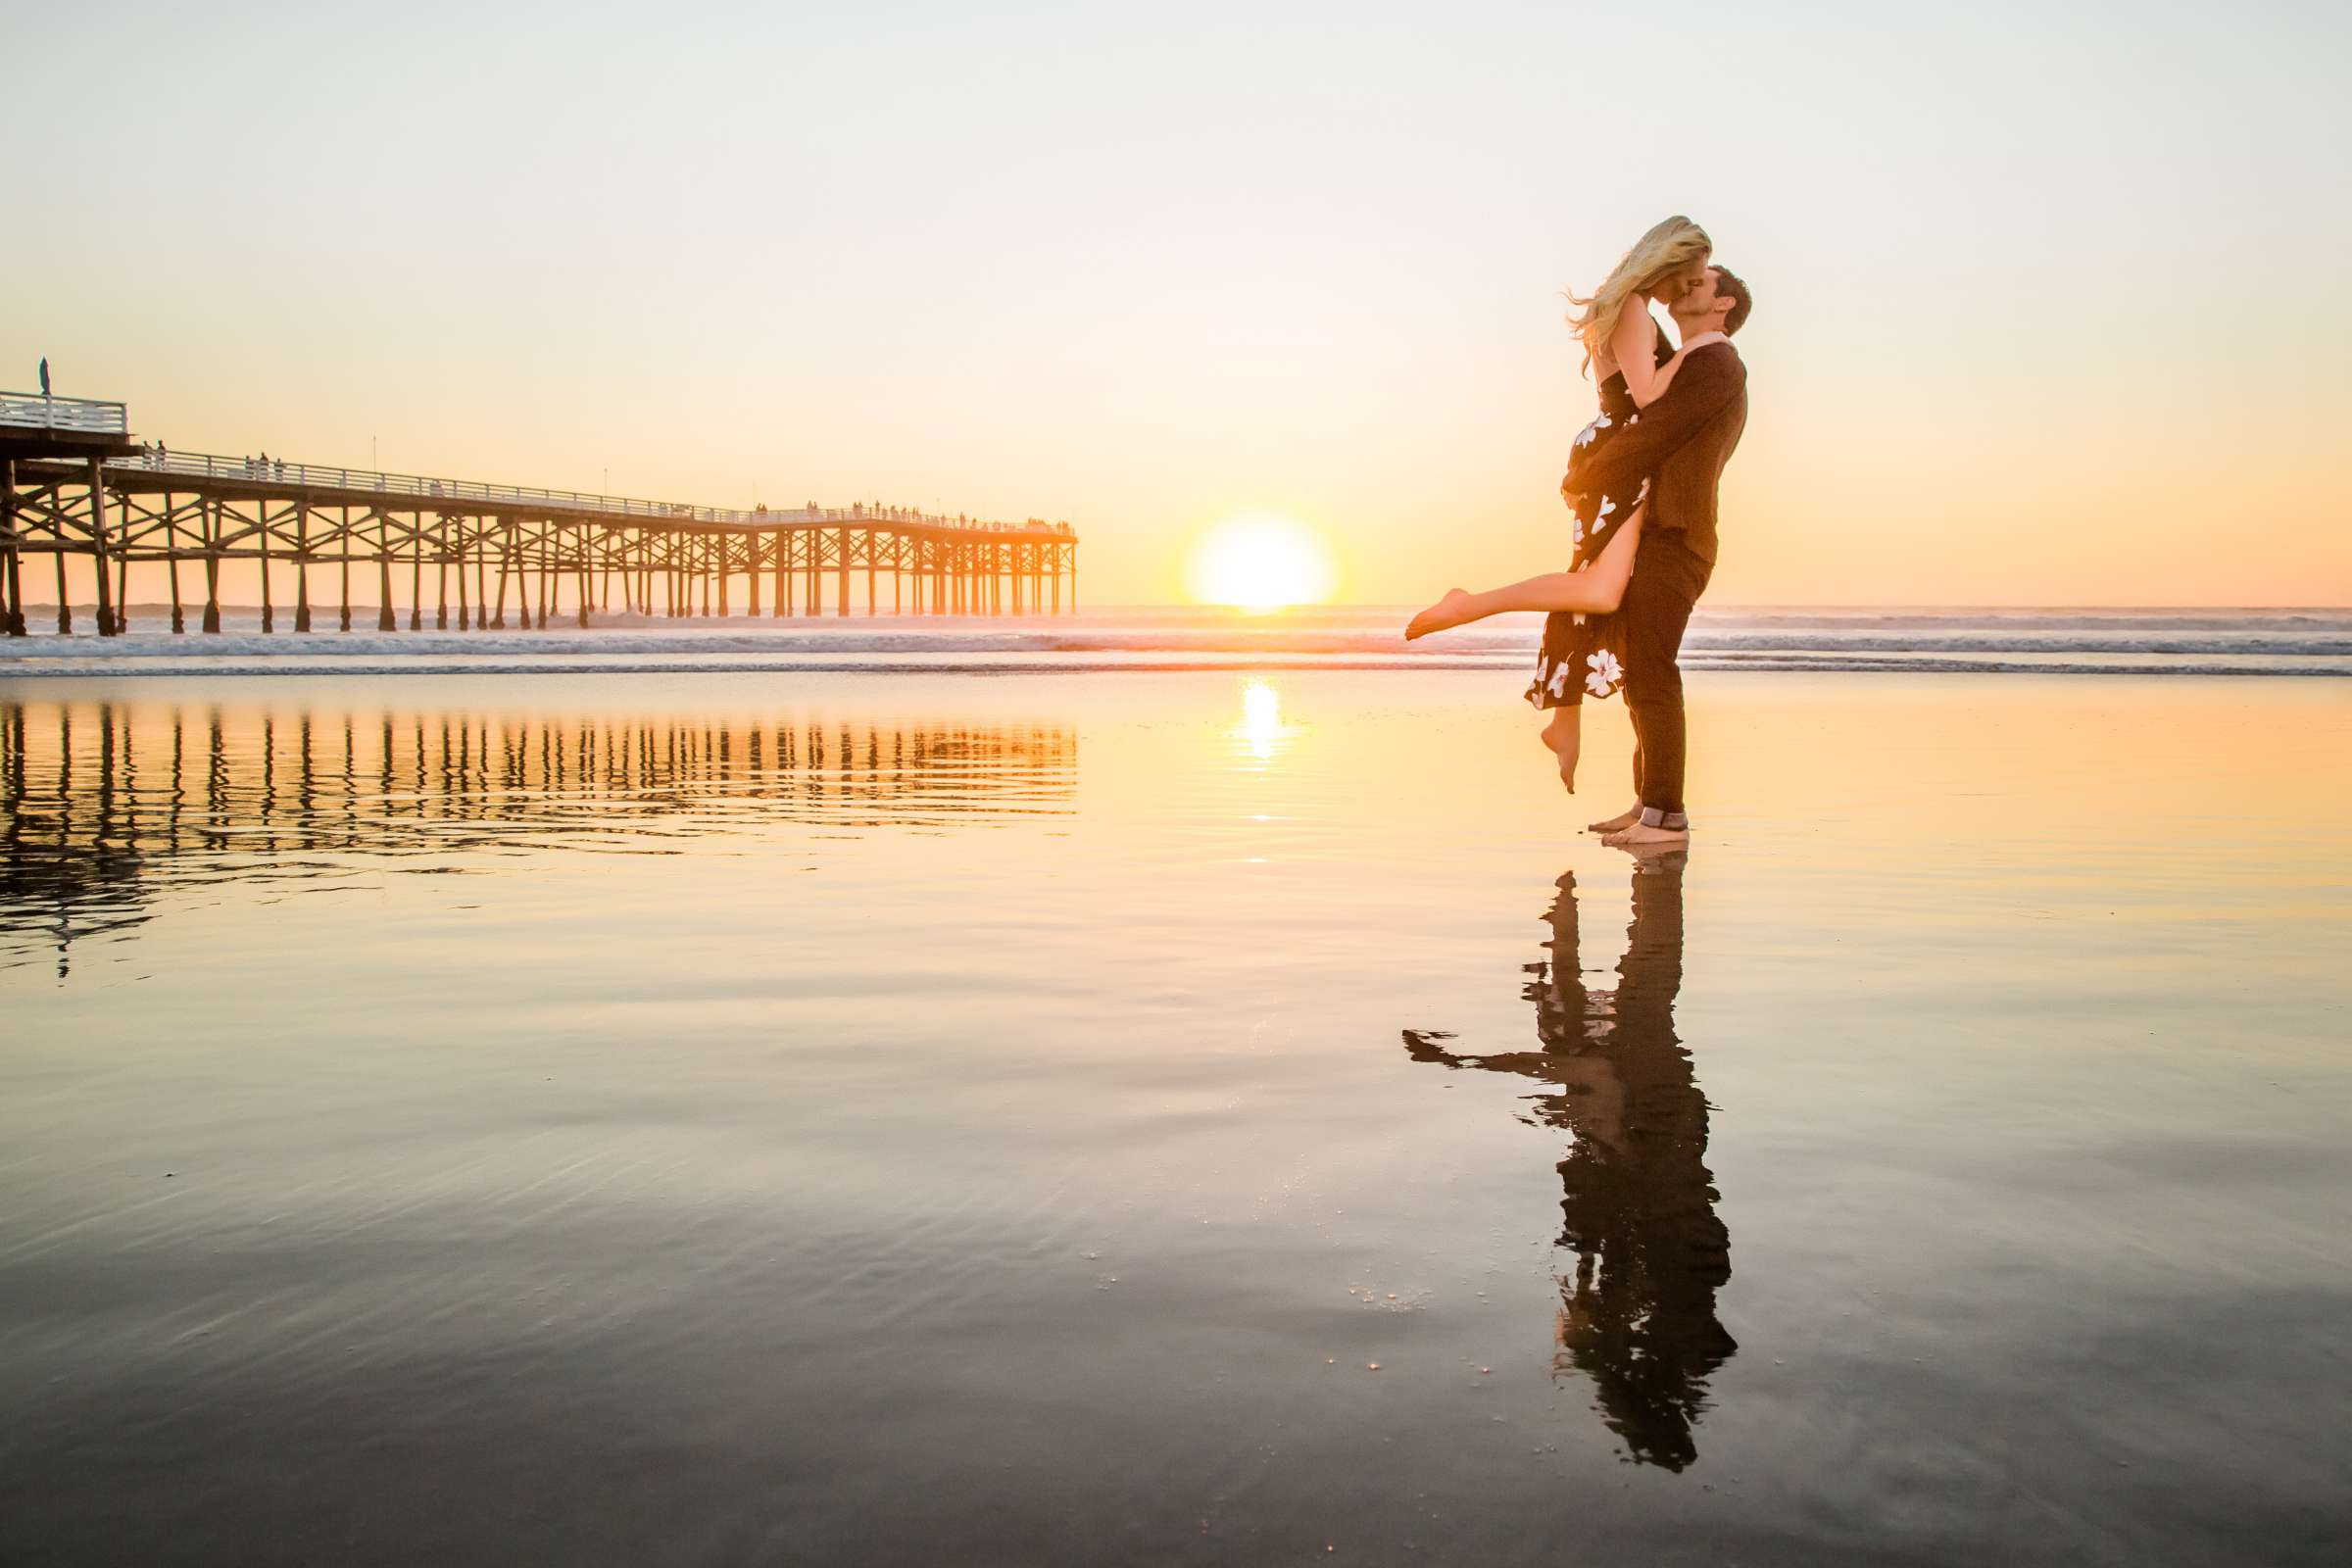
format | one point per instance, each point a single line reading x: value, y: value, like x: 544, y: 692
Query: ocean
x: 2049, y: 641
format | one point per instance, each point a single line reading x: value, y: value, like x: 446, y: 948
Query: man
x: 1682, y: 442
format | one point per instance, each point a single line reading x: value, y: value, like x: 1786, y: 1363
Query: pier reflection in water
x: 106, y: 806
x: 1637, y: 1312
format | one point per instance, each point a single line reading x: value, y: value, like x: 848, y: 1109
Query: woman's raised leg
x: 1595, y: 591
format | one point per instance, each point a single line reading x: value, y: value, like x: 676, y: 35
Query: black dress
x: 1585, y: 655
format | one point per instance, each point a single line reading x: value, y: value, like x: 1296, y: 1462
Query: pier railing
x: 84, y: 416
x: 491, y: 496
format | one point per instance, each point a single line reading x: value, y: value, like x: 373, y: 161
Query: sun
x: 1262, y: 561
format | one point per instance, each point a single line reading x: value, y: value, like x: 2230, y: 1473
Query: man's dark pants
x: 1668, y: 578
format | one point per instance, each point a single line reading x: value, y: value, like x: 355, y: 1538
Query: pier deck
x: 75, y: 486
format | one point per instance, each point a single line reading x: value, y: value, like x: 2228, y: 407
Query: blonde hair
x: 1667, y: 248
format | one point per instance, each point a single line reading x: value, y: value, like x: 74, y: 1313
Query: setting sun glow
x: 1262, y: 561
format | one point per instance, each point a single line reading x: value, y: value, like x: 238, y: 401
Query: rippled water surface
x: 1199, y: 1117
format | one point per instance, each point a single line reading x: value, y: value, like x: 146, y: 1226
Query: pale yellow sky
x: 2045, y: 300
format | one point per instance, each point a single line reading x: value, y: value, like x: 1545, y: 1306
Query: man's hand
x: 1710, y: 378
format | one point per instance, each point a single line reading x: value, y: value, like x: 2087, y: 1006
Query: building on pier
x: 69, y: 436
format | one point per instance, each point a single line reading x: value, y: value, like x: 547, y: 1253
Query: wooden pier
x: 74, y: 486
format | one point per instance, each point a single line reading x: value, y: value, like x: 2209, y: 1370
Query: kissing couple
x: 1641, y: 487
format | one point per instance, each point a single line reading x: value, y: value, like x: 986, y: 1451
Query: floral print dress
x: 1583, y: 655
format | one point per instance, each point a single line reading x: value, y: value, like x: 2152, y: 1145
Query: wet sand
x: 714, y: 1118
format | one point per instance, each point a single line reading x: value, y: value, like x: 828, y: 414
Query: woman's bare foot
x: 1618, y: 823
x: 1563, y: 739
x: 1450, y: 610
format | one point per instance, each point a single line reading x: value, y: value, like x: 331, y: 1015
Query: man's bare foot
x: 1642, y: 837
x: 1618, y: 823
x: 1450, y: 610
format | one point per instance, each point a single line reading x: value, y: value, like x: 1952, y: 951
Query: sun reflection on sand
x: 1261, y: 731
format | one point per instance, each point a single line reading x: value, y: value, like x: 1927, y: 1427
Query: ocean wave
x: 882, y: 664
x: 2234, y: 643
x: 2052, y: 641
x: 699, y: 644
x: 2037, y: 620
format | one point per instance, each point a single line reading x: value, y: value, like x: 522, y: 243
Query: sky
x: 2050, y: 301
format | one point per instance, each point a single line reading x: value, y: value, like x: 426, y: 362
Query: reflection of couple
x: 1642, y: 477
x: 1637, y: 1318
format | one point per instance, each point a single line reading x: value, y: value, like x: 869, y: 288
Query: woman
x: 1580, y: 651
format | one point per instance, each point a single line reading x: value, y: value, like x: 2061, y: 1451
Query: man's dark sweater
x: 1683, y: 440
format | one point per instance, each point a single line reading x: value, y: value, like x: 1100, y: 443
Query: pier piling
x: 211, y: 513
x: 7, y: 522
